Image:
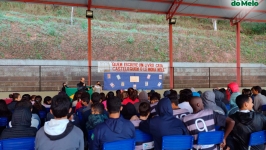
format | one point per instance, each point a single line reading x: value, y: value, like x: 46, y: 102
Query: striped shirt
x: 180, y: 113
x: 203, y: 121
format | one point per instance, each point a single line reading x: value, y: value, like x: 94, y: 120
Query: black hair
x: 23, y: 104
x: 118, y: 93
x: 25, y: 97
x: 185, y: 95
x: 174, y: 99
x: 98, y: 107
x: 38, y: 98
x: 144, y: 109
x: 95, y: 97
x: 222, y: 90
x: 155, y: 96
x: 263, y: 92
x: 246, y: 92
x: 3, y: 108
x: 60, y: 106
x: 241, y: 99
x: 200, y: 92
x: 85, y: 97
x: 46, y: 99
x: 15, y: 95
x: 113, y: 105
x: 110, y: 95
x: 102, y: 96
x: 257, y: 88
x: 173, y: 92
x: 77, y: 95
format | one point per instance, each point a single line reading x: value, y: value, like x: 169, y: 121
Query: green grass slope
x: 29, y: 31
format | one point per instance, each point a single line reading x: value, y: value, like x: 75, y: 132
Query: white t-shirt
x: 97, y: 88
x: 186, y: 105
x: 34, y: 123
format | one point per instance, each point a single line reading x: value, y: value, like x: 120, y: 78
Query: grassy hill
x: 29, y: 31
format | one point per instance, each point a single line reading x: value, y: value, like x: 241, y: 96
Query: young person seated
x: 4, y: 112
x: 113, y: 129
x: 154, y: 99
x: 164, y: 124
x: 177, y: 112
x: 21, y: 125
x: 96, y: 117
x: 259, y: 99
x: 35, y: 120
x: 16, y: 98
x: 144, y: 112
x: 59, y: 133
x: 185, y: 96
x: 208, y: 99
x: 132, y: 97
x: 246, y: 122
x: 205, y: 120
x: 47, y: 102
x: 129, y: 111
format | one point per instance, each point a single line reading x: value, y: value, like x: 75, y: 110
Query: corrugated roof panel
x: 196, y: 8
x: 133, y: 4
x: 207, y: 11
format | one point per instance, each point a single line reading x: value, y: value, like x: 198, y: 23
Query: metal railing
x: 50, y: 78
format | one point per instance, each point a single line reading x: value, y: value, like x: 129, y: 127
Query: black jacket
x: 21, y: 125
x: 81, y: 87
x: 245, y: 124
x: 11, y: 106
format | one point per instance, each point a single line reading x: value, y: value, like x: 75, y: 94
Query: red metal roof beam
x: 172, y: 10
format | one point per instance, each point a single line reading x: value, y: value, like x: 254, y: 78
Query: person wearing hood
x: 219, y: 97
x: 208, y: 99
x: 246, y: 122
x: 21, y: 125
x: 113, y: 129
x: 164, y: 124
x: 59, y: 133
x: 143, y: 97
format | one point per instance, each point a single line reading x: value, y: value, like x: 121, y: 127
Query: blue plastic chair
x: 257, y: 138
x: 263, y: 108
x: 128, y: 144
x: 26, y: 143
x: 212, y: 137
x: 142, y: 137
x: 3, y: 122
x: 42, y: 114
x: 177, y: 142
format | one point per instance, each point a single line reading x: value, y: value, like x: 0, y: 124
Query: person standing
x: 81, y: 86
x: 98, y: 87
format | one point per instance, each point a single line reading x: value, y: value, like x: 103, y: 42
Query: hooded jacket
x: 245, y: 124
x: 143, y: 97
x: 59, y: 134
x: 208, y: 99
x: 112, y: 130
x: 164, y: 124
x: 21, y: 125
x: 219, y: 97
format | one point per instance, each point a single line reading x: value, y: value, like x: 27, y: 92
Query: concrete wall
x: 48, y: 75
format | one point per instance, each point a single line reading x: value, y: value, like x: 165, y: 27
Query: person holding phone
x: 97, y: 88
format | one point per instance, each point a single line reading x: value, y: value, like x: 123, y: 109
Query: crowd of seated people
x: 116, y: 116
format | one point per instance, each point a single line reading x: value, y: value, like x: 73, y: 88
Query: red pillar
x: 171, y: 56
x: 89, y: 51
x: 238, y: 70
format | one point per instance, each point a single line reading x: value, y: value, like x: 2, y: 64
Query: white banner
x: 116, y: 66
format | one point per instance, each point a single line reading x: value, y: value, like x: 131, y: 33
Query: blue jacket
x: 164, y: 124
x: 112, y: 130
